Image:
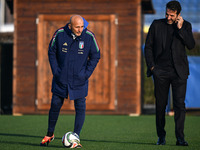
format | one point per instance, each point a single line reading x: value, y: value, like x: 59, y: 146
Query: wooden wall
x: 128, y: 69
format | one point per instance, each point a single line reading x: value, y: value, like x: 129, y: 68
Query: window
x: 6, y: 18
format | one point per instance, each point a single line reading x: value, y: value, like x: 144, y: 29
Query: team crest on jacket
x: 81, y: 44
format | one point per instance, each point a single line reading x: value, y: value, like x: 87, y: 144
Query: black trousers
x: 162, y: 80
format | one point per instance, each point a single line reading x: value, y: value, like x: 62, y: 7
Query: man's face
x: 171, y: 16
x: 77, y: 26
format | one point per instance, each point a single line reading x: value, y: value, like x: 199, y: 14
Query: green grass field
x: 99, y: 132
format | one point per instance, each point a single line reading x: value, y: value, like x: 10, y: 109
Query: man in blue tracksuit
x: 73, y: 55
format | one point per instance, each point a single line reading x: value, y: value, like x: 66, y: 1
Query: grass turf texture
x: 99, y: 132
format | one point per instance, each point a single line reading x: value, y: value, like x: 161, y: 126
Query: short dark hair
x: 174, y: 5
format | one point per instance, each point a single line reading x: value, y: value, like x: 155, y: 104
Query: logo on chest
x: 65, y: 44
x: 64, y: 48
x: 81, y: 44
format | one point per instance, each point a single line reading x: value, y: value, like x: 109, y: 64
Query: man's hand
x: 179, y: 22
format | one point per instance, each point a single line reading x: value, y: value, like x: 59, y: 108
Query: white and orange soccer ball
x: 71, y: 140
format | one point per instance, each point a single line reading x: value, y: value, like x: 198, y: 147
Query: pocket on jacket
x: 59, y: 89
x: 80, y: 79
x: 160, y: 72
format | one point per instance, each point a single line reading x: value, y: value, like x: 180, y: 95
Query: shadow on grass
x: 20, y: 135
x: 86, y: 140
x: 25, y: 143
x: 30, y: 144
x: 122, y: 142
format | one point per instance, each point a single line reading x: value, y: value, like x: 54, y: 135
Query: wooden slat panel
x: 128, y: 42
x: 99, y: 84
x: 81, y: 5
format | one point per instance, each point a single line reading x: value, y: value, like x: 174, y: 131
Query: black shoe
x: 161, y: 141
x: 181, y: 142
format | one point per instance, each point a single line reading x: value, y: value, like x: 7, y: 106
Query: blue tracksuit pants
x: 56, y: 104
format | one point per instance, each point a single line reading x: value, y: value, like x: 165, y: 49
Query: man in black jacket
x: 166, y: 60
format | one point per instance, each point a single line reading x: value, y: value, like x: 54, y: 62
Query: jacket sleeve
x: 148, y: 50
x: 52, y: 54
x: 93, y: 58
x: 186, y: 35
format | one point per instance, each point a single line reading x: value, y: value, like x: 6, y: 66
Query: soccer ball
x: 70, y: 140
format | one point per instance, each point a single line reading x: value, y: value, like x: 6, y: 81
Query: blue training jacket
x: 72, y: 61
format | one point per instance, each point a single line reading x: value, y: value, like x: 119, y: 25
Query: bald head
x: 76, y: 24
x: 75, y: 18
